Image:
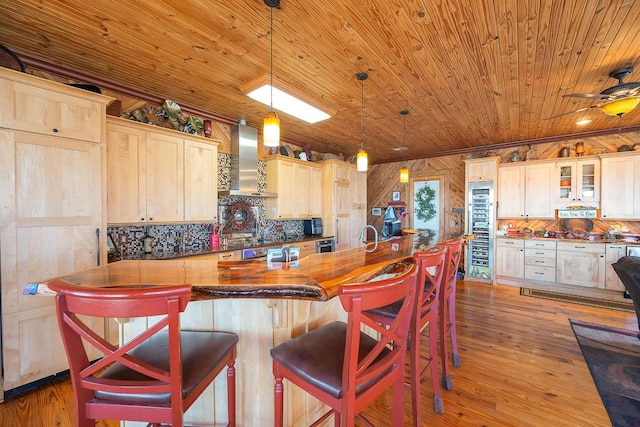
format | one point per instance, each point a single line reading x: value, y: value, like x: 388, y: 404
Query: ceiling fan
x: 616, y: 100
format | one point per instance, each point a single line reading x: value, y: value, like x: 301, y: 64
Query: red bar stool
x: 157, y: 375
x: 344, y: 367
x: 448, y: 310
x: 430, y: 276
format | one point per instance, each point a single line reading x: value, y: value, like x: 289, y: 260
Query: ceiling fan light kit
x: 619, y: 106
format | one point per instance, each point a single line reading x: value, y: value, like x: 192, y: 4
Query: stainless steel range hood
x: 244, y: 163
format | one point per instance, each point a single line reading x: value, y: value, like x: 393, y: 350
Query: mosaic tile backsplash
x: 129, y: 240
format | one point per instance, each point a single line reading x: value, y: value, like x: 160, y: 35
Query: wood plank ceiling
x: 473, y: 74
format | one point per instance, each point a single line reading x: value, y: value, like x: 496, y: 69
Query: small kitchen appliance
x: 313, y: 227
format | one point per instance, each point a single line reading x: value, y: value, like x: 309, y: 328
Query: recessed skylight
x: 260, y: 90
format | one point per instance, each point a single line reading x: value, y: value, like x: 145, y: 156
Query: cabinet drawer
x: 591, y: 248
x: 540, y: 253
x: 540, y: 261
x: 230, y: 256
x: 540, y: 244
x: 510, y: 243
x: 533, y: 272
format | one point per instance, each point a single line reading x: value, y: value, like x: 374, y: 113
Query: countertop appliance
x: 313, y: 227
x: 328, y: 245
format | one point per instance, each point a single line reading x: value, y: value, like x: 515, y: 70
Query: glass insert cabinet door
x: 578, y: 181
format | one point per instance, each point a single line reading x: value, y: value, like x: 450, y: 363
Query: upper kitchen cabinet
x: 483, y: 169
x: 52, y: 212
x: 156, y: 175
x: 621, y: 179
x: 336, y: 205
x: 577, y: 181
x: 200, y: 180
x: 298, y: 184
x: 49, y: 108
x: 524, y: 190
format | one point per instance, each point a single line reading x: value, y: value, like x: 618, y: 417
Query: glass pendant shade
x: 619, y: 106
x: 271, y: 130
x: 404, y: 174
x: 362, y: 161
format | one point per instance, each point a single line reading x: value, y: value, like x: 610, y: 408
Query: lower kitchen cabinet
x: 613, y: 253
x: 509, y: 258
x: 540, y: 260
x: 581, y: 264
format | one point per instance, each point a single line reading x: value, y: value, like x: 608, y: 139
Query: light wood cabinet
x: 336, y: 205
x: 524, y: 190
x: 200, y: 181
x: 358, y: 205
x: 540, y: 260
x: 621, y: 186
x: 306, y: 248
x: 484, y: 169
x: 577, y: 181
x: 581, y: 264
x: 315, y: 191
x: 298, y: 184
x: 509, y: 258
x: 230, y: 256
x: 49, y: 108
x: 52, y: 212
x: 158, y: 175
x: 613, y: 252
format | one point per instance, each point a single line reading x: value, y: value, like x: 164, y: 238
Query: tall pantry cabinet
x: 52, y: 216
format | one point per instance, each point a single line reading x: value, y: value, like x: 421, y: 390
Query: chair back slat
x: 72, y: 301
x: 389, y: 352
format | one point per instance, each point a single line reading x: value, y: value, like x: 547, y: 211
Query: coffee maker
x: 392, y: 225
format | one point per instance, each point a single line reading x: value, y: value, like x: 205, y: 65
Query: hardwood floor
x: 521, y: 366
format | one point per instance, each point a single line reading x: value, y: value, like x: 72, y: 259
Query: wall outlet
x: 123, y: 239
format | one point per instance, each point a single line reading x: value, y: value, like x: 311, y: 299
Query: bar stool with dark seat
x: 343, y: 367
x: 156, y: 376
x: 425, y: 312
x: 628, y: 270
x: 448, y: 310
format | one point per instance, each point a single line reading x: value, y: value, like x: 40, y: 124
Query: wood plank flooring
x: 521, y: 366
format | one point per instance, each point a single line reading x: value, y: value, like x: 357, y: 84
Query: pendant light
x: 404, y: 172
x: 362, y: 161
x: 271, y: 129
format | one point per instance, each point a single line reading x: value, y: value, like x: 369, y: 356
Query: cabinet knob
x: 55, y: 130
x: 141, y: 219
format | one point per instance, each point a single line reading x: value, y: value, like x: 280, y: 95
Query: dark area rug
x: 613, y: 357
x: 594, y: 302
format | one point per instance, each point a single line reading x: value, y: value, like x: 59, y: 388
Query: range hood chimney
x: 244, y: 163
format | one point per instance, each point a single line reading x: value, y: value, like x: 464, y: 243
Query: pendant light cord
x: 271, y: 60
x: 362, y: 118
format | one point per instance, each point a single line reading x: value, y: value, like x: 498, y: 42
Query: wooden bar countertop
x: 315, y: 277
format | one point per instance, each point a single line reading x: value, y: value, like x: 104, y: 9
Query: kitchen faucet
x: 362, y: 236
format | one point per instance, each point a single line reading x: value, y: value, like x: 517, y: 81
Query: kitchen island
x: 265, y: 306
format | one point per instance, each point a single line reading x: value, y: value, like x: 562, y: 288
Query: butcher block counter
x: 264, y: 306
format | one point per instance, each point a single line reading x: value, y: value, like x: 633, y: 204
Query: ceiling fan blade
x: 570, y: 112
x: 587, y: 95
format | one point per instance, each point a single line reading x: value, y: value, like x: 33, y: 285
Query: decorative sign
x: 578, y: 213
